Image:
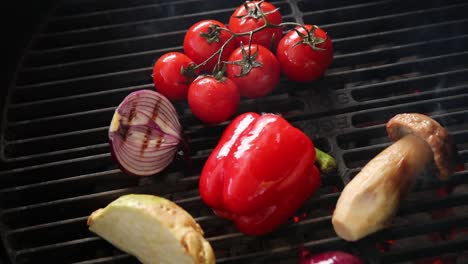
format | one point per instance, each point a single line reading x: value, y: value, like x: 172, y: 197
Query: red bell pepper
x: 260, y: 173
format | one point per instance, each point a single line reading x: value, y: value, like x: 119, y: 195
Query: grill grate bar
x: 115, y: 75
x: 82, y: 7
x: 455, y: 199
x: 82, y: 205
x: 96, y: 49
x: 100, y: 148
x: 349, y: 7
x: 288, y: 251
x: 337, y: 58
x: 184, y: 181
x: 438, y: 117
x: 378, y: 110
x: 425, y: 251
x: 113, y: 259
x: 57, y: 246
x: 180, y: 32
x: 58, y: 117
x: 35, y: 167
x: 374, y: 147
x: 447, y: 74
x: 341, y: 74
x: 80, y: 96
x: 359, y: 117
x: 131, y: 29
x: 401, y: 63
x: 47, y: 225
x: 65, y: 18
x: 83, y: 184
x: 408, y: 97
x: 85, y: 150
x: 452, y: 6
x: 56, y: 170
x: 203, y: 220
x: 122, y: 46
x: 400, y: 90
x: 437, y: 225
x: 133, y: 23
x: 422, y: 12
x: 98, y: 144
x: 54, y: 136
x: 446, y: 23
x: 415, y: 229
x: 111, y: 74
x: 34, y: 238
x: 149, y: 53
x: 36, y: 206
x: 401, y: 50
x: 435, y: 203
x: 128, y: 61
x: 394, y: 22
x: 75, y: 69
x: 323, y: 243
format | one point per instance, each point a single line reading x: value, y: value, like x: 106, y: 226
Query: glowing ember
x: 298, y: 218
x: 385, y: 246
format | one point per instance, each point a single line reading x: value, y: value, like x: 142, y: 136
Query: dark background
x: 21, y: 18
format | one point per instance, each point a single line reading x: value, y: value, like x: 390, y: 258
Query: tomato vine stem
x: 309, y: 38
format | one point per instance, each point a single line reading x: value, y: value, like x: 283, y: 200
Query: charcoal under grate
x: 391, y: 56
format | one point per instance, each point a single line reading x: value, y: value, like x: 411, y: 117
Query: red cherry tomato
x: 167, y: 75
x: 212, y: 100
x: 247, y: 17
x: 307, y: 56
x: 256, y: 74
x: 203, y: 39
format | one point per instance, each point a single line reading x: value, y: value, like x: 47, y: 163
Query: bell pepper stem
x: 327, y: 163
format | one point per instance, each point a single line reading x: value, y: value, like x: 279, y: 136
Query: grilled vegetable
x: 172, y: 74
x: 368, y: 203
x: 205, y: 38
x: 305, y: 53
x: 144, y: 133
x: 330, y: 257
x: 212, y: 99
x: 260, y: 173
x: 253, y: 15
x: 253, y: 65
x: 153, y: 229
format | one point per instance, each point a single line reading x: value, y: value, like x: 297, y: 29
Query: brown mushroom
x: 369, y: 202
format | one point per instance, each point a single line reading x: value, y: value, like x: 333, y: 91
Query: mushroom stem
x: 371, y: 199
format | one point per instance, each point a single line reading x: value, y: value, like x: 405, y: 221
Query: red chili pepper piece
x: 260, y: 173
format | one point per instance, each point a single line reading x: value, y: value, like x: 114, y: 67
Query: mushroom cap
x: 430, y: 131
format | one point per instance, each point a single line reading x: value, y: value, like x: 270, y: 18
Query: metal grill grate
x: 391, y: 56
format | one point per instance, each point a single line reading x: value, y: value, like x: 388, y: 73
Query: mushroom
x: 371, y: 199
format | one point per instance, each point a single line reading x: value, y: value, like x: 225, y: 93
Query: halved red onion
x: 144, y: 133
x: 330, y: 257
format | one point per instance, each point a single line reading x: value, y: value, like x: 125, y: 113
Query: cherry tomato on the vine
x: 213, y: 100
x: 172, y: 75
x: 255, y: 72
x: 305, y: 56
x: 203, y: 39
x: 248, y: 17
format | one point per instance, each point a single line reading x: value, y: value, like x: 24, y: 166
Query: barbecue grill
x: 391, y: 56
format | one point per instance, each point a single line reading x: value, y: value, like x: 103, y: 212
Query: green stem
x: 234, y: 35
x: 327, y: 163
